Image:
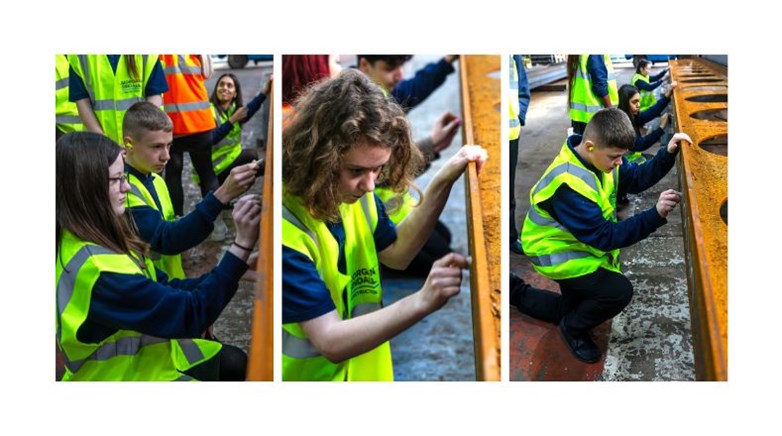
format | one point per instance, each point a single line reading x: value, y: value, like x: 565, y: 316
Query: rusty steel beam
x: 480, y: 93
x: 260, y: 365
x: 700, y: 110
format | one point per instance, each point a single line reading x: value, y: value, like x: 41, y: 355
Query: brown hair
x: 144, y: 116
x: 331, y: 117
x: 610, y: 127
x: 83, y: 206
x: 132, y: 66
x: 572, y: 66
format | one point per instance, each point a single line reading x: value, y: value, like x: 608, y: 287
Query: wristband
x: 243, y: 247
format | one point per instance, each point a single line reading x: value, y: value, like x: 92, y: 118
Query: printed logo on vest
x: 364, y: 281
x: 130, y: 86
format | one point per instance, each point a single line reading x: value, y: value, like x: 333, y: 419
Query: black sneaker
x: 582, y: 346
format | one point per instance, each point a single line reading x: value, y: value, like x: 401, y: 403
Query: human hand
x: 239, y: 115
x: 443, y: 282
x: 443, y: 131
x: 247, y: 217
x: 268, y: 86
x: 671, y: 87
x: 664, y: 120
x: 458, y: 162
x: 673, y: 144
x: 239, y: 180
x: 668, y: 200
x: 251, y: 275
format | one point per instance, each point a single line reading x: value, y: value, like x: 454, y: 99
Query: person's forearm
x: 339, y: 340
x: 606, y: 101
x: 414, y: 230
x: 87, y: 116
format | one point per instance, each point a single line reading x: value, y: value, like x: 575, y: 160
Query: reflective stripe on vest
x: 171, y: 264
x: 127, y: 346
x: 556, y: 258
x: 186, y: 102
x: 583, y: 102
x: 66, y: 113
x: 553, y: 251
x: 112, y: 93
x: 360, y: 285
x: 300, y: 348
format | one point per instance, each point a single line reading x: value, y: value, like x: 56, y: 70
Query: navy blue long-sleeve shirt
x: 598, y: 75
x: 523, y: 84
x: 252, y: 107
x: 412, y: 92
x: 584, y: 219
x: 173, y: 237
x: 644, y: 142
x: 166, y: 308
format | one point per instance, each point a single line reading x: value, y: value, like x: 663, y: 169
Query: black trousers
x: 514, y: 159
x: 437, y: 246
x: 585, y: 302
x: 230, y: 364
x: 199, y: 146
x: 578, y: 127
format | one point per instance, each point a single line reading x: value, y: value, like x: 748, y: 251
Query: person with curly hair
x: 346, y: 137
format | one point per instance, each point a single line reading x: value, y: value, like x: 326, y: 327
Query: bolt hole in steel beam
x: 716, y: 144
x: 724, y: 211
x: 711, y: 115
x: 713, y: 88
x: 702, y: 80
x: 709, y: 98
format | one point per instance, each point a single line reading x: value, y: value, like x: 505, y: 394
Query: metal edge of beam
x: 486, y: 359
x: 710, y: 357
x: 260, y: 364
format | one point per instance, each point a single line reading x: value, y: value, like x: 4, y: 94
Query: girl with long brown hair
x: 118, y: 318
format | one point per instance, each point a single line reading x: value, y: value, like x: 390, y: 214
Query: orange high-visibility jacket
x: 187, y: 101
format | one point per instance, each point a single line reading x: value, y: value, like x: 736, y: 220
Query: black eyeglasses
x: 123, y: 178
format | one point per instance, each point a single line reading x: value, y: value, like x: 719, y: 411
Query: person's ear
x: 590, y: 146
x: 128, y: 143
x: 363, y: 65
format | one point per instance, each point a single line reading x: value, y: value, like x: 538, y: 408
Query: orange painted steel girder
x: 260, y: 365
x: 480, y: 88
x: 704, y: 179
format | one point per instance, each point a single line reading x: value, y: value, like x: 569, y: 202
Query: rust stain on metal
x: 480, y: 88
x: 704, y: 179
x: 260, y: 366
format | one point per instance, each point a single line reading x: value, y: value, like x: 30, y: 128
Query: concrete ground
x: 440, y: 347
x: 650, y: 339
